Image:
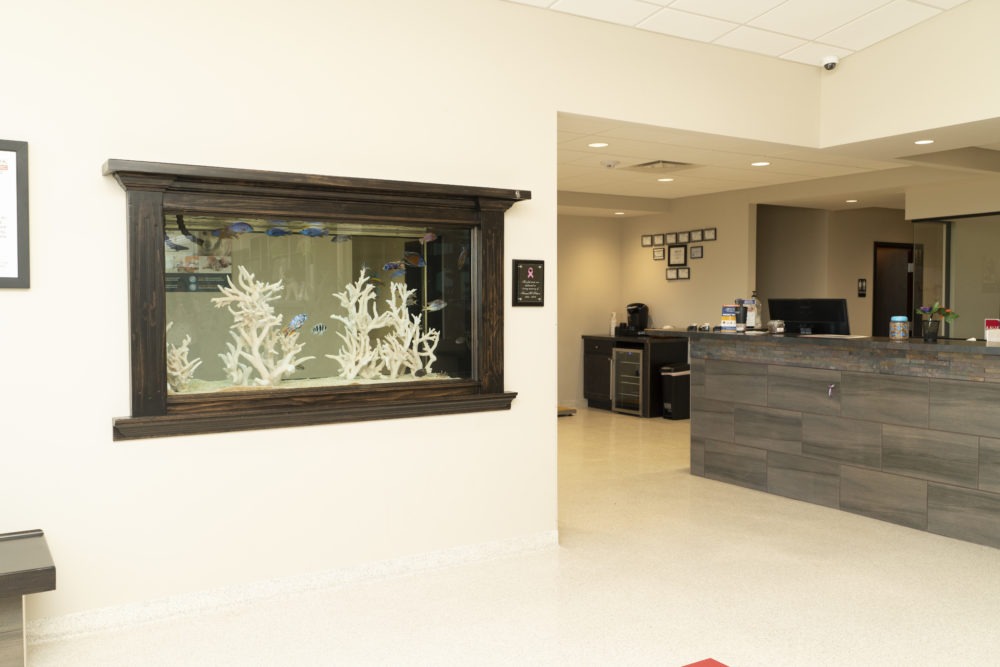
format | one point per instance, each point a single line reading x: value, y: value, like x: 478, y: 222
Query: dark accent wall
x: 902, y: 432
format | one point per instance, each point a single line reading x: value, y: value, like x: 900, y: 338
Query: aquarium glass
x: 291, y: 303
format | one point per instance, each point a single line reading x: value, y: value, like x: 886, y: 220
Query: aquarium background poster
x: 529, y: 282
x: 13, y: 214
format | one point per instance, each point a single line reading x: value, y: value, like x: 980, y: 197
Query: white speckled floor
x: 655, y: 567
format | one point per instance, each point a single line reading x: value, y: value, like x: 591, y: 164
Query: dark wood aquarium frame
x: 155, y: 189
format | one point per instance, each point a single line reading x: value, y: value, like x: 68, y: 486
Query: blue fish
x: 313, y: 231
x: 435, y: 305
x: 235, y: 229
x: 170, y: 244
x: 295, y: 324
x: 392, y: 266
x: 278, y: 231
x: 413, y: 258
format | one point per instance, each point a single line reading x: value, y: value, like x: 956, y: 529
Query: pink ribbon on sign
x: 531, y: 272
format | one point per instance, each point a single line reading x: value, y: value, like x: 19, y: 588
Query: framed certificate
x: 683, y: 237
x: 697, y: 251
x: 708, y: 234
x: 14, y: 214
x: 671, y: 238
x: 677, y: 255
x: 696, y: 235
x: 646, y: 240
x: 657, y: 239
x: 659, y: 253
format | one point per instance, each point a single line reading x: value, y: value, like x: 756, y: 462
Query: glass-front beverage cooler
x: 628, y: 383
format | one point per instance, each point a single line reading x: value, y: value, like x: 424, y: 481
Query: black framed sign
x: 14, y: 214
x: 529, y: 282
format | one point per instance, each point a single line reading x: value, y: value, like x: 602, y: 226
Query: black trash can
x: 676, y: 379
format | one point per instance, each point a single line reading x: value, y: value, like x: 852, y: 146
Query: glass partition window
x: 958, y: 266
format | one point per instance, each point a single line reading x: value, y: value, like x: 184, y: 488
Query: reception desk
x: 906, y: 432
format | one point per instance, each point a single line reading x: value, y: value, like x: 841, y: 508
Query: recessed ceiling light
x: 851, y: 201
x: 923, y: 142
x: 760, y: 164
x: 665, y: 180
x: 598, y: 144
x: 619, y: 212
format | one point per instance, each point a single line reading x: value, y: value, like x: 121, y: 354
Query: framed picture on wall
x: 708, y: 234
x: 646, y: 240
x: 677, y: 255
x: 671, y: 274
x: 659, y: 253
x: 683, y: 237
x: 684, y: 273
x: 671, y: 238
x: 697, y: 251
x: 14, y: 214
x: 657, y: 239
x: 696, y: 235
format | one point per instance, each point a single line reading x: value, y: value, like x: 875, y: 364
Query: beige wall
x: 935, y: 74
x: 450, y: 91
x: 792, y: 253
x: 851, y: 255
x: 590, y: 281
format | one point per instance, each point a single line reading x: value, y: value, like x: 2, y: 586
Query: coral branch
x: 401, y: 349
x: 256, y: 331
x: 180, y: 370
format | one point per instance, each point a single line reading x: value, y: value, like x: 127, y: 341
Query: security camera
x: 830, y: 63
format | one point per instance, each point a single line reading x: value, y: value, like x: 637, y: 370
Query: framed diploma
x: 13, y: 214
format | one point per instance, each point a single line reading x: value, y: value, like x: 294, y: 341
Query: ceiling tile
x: 688, y: 26
x: 624, y: 12
x: 809, y: 19
x: 880, y: 24
x: 812, y: 53
x: 738, y: 11
x: 534, y: 3
x: 944, y: 4
x: 759, y: 41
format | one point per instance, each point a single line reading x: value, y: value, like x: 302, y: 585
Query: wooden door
x: 892, y: 285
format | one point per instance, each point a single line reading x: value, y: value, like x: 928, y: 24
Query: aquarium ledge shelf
x: 133, y: 428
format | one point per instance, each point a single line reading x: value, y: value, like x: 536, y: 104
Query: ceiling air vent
x: 659, y: 166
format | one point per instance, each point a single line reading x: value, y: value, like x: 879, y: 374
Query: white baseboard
x: 70, y: 626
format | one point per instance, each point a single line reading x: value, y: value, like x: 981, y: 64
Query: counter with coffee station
x: 903, y: 431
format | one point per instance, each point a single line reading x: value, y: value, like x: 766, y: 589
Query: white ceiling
x: 606, y: 181
x: 603, y: 181
x: 805, y: 31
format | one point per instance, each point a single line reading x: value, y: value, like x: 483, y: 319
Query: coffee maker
x: 638, y: 320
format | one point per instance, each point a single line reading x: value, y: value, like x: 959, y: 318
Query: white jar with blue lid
x: 899, y: 327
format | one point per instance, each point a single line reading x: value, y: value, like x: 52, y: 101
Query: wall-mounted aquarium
x: 265, y: 299
x: 269, y: 302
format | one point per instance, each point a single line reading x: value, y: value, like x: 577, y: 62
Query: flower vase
x: 930, y: 330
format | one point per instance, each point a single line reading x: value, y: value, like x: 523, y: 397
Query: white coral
x: 258, y: 341
x: 180, y: 370
x: 401, y: 349
x: 358, y: 356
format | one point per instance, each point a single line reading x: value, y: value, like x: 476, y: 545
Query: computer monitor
x: 811, y: 316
